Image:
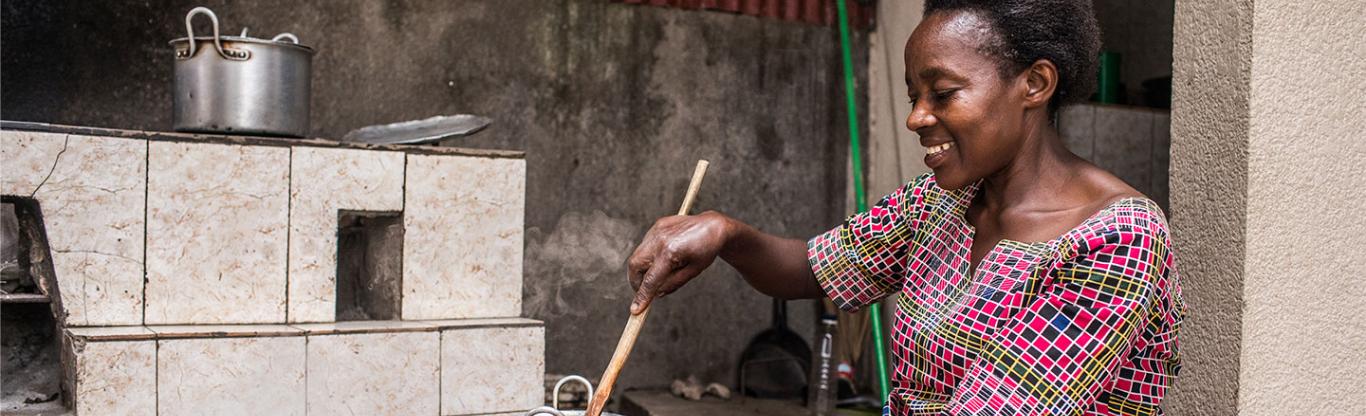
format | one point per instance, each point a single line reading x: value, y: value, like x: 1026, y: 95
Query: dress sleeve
x: 1065, y: 348
x: 864, y: 259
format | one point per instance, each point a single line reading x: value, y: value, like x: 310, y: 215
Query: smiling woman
x: 1031, y: 281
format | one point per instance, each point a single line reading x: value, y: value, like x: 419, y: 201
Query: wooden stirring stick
x: 633, y: 325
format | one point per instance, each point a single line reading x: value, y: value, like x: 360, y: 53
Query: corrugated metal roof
x: 819, y: 12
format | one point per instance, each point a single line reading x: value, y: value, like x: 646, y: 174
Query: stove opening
x: 369, y: 265
x: 32, y: 381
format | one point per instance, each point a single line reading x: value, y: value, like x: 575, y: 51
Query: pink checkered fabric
x: 1082, y: 324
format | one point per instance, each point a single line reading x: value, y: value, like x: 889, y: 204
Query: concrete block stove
x: 224, y: 275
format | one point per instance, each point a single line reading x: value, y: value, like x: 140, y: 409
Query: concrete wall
x: 1304, y: 338
x: 613, y: 104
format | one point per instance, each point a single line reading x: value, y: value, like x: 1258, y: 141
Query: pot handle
x: 555, y: 394
x: 226, y: 53
x: 289, y: 36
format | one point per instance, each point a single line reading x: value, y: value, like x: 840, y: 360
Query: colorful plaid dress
x: 1083, y: 324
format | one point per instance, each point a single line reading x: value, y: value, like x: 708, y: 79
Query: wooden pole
x: 633, y: 325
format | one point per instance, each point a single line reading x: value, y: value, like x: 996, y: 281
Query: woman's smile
x: 935, y: 155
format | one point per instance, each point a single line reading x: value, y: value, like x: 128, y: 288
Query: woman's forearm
x: 773, y: 265
x: 678, y: 248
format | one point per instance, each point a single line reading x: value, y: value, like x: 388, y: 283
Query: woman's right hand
x: 675, y: 250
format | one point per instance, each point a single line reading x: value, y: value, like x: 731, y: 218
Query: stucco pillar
x: 1304, y: 294
x: 1268, y: 180
x: 1211, y: 61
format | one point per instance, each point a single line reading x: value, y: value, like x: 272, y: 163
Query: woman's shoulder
x: 1121, y: 214
x: 1134, y: 221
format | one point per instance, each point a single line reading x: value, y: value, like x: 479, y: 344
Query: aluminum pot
x: 239, y: 84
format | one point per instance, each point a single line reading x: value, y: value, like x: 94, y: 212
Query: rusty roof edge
x: 862, y: 15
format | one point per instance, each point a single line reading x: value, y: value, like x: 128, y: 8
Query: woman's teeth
x: 940, y: 148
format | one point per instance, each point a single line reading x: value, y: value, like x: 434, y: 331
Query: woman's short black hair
x: 1064, y: 32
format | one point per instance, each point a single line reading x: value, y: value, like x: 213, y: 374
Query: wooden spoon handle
x: 633, y: 325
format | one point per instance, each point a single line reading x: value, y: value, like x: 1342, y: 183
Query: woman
x: 1031, y: 281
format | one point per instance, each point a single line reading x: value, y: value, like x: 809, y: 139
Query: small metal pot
x: 239, y: 84
x: 553, y: 409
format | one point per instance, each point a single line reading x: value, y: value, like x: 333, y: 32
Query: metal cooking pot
x: 553, y: 409
x: 239, y: 84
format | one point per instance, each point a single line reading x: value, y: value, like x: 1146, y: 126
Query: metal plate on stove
x: 419, y: 131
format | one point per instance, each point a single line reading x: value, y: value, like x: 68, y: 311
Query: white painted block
x: 91, y: 191
x: 1123, y: 144
x: 322, y: 182
x: 1077, y: 128
x: 374, y: 374
x: 216, y: 233
x: 462, y: 246
x: 231, y: 376
x: 492, y: 369
x: 116, y: 378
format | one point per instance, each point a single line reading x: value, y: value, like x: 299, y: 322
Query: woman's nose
x: 920, y: 117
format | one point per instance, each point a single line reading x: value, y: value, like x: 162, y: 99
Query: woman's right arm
x: 678, y: 248
x: 858, y: 262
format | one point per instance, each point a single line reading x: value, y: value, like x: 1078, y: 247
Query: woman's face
x: 970, y: 119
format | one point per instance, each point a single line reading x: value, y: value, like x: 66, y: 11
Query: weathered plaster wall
x: 1304, y: 338
x: 894, y: 152
x: 612, y: 103
x: 1209, y: 171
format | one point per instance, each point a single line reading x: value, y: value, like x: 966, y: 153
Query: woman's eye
x: 944, y: 94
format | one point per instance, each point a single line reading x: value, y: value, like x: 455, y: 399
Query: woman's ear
x: 1041, y: 80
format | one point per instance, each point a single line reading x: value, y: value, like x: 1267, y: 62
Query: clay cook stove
x: 188, y: 274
